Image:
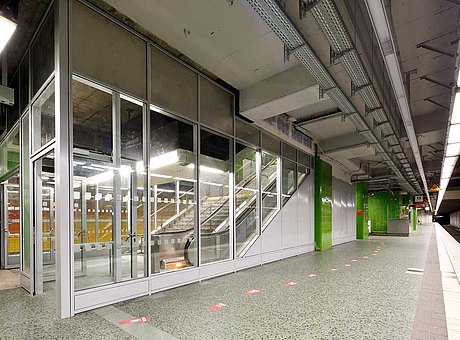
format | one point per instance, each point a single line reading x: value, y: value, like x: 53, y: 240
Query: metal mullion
x: 116, y: 219
x: 259, y: 190
x: 63, y: 160
x: 231, y: 194
x: 38, y: 235
x: 196, y: 146
x: 147, y: 183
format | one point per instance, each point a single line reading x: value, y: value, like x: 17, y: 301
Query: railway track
x: 453, y: 231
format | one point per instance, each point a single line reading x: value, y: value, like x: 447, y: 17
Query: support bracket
x: 355, y: 89
x: 434, y: 81
x: 305, y: 6
x: 435, y: 49
x: 288, y: 52
x: 337, y: 55
x: 436, y: 103
x: 371, y: 110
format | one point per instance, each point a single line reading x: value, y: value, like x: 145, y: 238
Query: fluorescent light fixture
x: 205, y: 168
x: 75, y: 163
x: 454, y: 134
x: 450, y: 161
x: 452, y: 150
x: 7, y: 29
x: 163, y: 160
x: 444, y: 183
x: 455, y: 119
x: 159, y: 175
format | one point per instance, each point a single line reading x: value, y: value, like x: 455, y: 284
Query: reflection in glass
x: 269, y: 184
x: 246, y: 190
x: 172, y: 193
x: 289, y: 179
x: 215, y: 168
x: 43, y: 118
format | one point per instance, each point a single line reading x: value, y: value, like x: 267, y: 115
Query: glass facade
x: 172, y: 193
x: 157, y: 186
x: 215, y: 201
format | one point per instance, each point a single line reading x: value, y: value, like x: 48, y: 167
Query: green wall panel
x: 323, y: 205
x: 361, y: 224
x: 414, y: 219
x: 378, y: 204
x: 394, y: 205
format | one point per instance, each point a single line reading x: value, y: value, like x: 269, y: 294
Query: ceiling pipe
x: 295, y: 44
x: 382, y: 29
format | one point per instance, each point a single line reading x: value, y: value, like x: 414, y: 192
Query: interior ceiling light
x: 452, y: 150
x: 454, y: 134
x: 7, y: 28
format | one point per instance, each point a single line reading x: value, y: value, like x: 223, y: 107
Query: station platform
x: 381, y: 288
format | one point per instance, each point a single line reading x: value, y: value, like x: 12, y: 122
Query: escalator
x: 215, y: 224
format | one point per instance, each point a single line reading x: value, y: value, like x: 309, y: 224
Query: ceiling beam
x: 435, y: 49
x: 434, y: 81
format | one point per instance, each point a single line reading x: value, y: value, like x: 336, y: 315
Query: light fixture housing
x: 7, y: 28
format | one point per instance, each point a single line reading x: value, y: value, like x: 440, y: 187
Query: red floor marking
x: 289, y: 284
x: 249, y: 292
x: 365, y: 257
x: 309, y: 276
x: 354, y: 260
x: 218, y: 306
x: 347, y: 265
x: 136, y: 320
x: 332, y: 270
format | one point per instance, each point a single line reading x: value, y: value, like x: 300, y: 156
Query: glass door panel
x: 44, y: 221
x: 10, y: 222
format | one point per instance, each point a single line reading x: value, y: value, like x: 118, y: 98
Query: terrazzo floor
x: 368, y: 298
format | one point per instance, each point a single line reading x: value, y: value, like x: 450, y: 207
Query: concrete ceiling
x: 419, y: 30
x: 225, y: 37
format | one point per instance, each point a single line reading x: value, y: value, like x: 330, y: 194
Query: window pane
x: 216, y: 106
x: 269, y: 183
x: 215, y: 167
x: 13, y: 111
x: 289, y: 152
x: 289, y: 179
x: 271, y: 144
x: 302, y: 174
x: 246, y: 190
x: 43, y: 54
x: 43, y: 118
x: 174, y: 86
x: 24, y: 84
x: 109, y: 232
x: 246, y: 132
x: 133, y: 184
x: 92, y: 119
x: 172, y: 193
x: 105, y: 51
x: 12, y: 150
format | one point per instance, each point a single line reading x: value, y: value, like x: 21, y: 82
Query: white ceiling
x: 225, y: 37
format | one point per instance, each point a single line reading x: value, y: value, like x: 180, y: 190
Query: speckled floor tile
x: 25, y: 317
x: 373, y: 298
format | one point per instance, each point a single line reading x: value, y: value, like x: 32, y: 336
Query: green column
x: 414, y: 219
x: 323, y: 205
x: 378, y: 204
x: 361, y: 225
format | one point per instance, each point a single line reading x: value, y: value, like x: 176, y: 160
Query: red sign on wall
x: 360, y: 213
